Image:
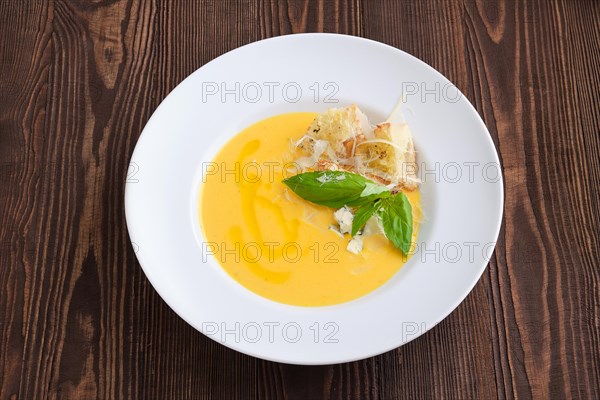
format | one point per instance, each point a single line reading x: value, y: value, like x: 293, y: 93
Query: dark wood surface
x: 80, y: 78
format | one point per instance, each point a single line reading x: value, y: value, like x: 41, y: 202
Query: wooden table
x: 80, y: 78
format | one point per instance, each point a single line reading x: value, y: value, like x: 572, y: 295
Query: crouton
x: 391, y: 155
x: 385, y: 154
x: 338, y: 126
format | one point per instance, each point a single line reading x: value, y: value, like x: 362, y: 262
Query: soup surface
x: 273, y: 242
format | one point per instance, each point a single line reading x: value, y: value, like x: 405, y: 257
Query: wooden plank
x: 25, y: 55
x: 546, y: 288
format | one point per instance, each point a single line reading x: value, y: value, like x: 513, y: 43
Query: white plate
x: 309, y: 72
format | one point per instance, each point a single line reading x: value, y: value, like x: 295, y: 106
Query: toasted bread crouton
x: 391, y: 154
x: 350, y: 144
x: 340, y: 127
x: 385, y: 154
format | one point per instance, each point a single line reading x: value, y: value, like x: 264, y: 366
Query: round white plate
x: 462, y: 195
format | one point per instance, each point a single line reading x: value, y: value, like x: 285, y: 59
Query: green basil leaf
x: 333, y: 189
x: 361, y: 201
x: 362, y: 215
x: 396, y: 217
x: 373, y: 188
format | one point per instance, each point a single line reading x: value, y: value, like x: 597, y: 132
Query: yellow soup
x: 275, y: 243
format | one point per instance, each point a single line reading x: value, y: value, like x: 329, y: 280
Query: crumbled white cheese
x: 344, y: 218
x: 355, y: 245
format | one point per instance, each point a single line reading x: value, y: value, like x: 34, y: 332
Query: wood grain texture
x: 78, y: 319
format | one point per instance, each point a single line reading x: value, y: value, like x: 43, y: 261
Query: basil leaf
x: 333, y: 189
x: 362, y: 216
x: 396, y: 217
x: 370, y: 198
x: 373, y: 188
